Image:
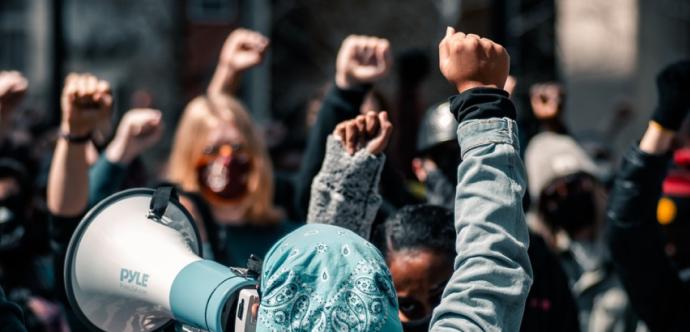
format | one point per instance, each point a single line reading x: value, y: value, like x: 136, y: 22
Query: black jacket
x: 340, y: 105
x: 636, y: 243
x: 10, y: 316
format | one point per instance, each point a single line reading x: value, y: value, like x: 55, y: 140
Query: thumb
x: 380, y: 142
x: 450, y: 31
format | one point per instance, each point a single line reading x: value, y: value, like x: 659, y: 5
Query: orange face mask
x: 223, y: 174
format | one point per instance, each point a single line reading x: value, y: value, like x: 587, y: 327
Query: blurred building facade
x: 161, y: 53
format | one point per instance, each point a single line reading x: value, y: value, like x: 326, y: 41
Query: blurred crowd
x: 608, y: 240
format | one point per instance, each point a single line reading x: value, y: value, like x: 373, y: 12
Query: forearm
x: 68, y: 181
x: 225, y: 81
x: 105, y: 178
x: 338, y: 106
x: 656, y: 140
x: 345, y: 192
x: 493, y: 275
x: 635, y: 239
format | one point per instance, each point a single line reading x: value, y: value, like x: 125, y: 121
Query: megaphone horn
x: 133, y: 264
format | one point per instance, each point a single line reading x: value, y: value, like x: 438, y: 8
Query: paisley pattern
x: 325, y: 278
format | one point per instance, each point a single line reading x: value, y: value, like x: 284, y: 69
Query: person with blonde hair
x: 221, y: 164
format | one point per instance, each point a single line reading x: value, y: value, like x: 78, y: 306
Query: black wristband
x: 75, y: 138
x: 482, y: 103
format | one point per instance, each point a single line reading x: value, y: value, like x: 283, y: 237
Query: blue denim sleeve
x: 493, y: 275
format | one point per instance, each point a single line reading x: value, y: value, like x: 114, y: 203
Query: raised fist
x: 139, y: 129
x: 673, y: 87
x: 547, y: 100
x: 86, y: 102
x: 13, y: 86
x: 243, y: 49
x: 362, y: 59
x: 371, y: 131
x: 469, y: 61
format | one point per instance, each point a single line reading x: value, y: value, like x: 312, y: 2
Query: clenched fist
x: 362, y: 59
x: 13, y: 86
x: 469, y: 61
x: 86, y: 102
x: 243, y: 49
x: 371, y: 131
x: 547, y: 100
x: 139, y: 130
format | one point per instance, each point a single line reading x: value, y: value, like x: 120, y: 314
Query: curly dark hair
x: 422, y: 226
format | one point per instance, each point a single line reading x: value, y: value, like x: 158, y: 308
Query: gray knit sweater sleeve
x: 345, y: 192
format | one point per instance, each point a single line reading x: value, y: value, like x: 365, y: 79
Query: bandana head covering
x: 326, y: 278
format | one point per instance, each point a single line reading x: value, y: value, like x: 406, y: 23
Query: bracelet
x: 75, y: 138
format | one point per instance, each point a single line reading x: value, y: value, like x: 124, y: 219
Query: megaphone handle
x: 159, y: 201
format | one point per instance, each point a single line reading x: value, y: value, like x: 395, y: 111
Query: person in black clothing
x: 635, y: 238
x: 10, y: 316
x: 361, y: 61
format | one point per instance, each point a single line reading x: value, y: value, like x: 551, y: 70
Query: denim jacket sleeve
x: 493, y: 275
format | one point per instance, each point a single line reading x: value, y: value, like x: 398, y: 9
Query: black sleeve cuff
x: 634, y: 196
x: 646, y: 169
x: 482, y: 103
x: 345, y: 99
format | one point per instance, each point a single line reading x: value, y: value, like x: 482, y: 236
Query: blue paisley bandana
x: 326, y: 278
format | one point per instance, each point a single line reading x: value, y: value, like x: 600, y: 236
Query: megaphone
x: 133, y: 265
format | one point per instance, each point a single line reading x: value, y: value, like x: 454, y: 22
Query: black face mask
x: 419, y: 325
x: 11, y: 223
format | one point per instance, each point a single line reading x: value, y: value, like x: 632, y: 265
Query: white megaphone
x: 133, y: 265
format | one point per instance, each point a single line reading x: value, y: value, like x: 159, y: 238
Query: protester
x: 569, y: 202
x: 657, y: 293
x: 361, y: 61
x: 673, y: 211
x: 139, y: 130
x: 14, y: 143
x: 437, y: 155
x: 25, y: 253
x: 465, y: 260
x: 326, y: 278
x: 474, y: 289
x: 417, y: 241
x: 227, y: 178
x: 10, y: 316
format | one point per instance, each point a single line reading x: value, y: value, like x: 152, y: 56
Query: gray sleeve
x: 345, y: 191
x: 493, y: 275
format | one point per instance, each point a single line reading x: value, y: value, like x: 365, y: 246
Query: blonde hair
x: 199, y: 117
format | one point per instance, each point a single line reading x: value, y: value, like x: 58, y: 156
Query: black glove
x: 673, y: 86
